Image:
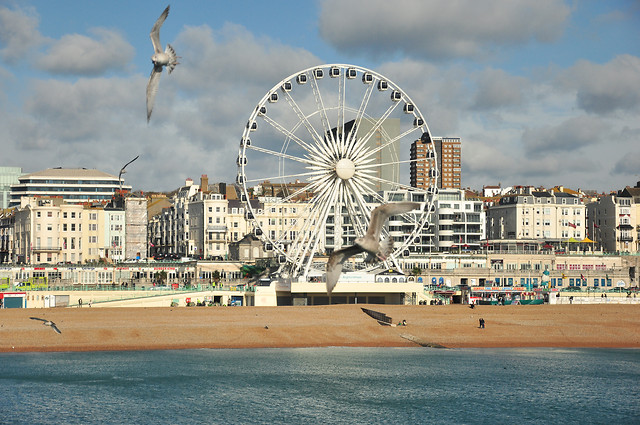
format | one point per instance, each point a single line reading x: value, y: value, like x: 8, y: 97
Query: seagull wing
x: 152, y: 89
x: 155, y: 31
x: 334, y: 265
x: 55, y: 328
x: 37, y: 318
x: 381, y: 213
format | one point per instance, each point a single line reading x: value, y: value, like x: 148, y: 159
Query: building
x: 8, y: 176
x: 208, y: 224
x: 531, y: 214
x: 613, y: 220
x: 441, y: 168
x: 73, y: 185
x: 135, y: 228
x: 7, y: 224
x: 459, y: 223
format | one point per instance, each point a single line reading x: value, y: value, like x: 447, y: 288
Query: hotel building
x: 74, y: 185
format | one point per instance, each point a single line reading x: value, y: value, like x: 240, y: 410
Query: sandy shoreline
x: 454, y: 326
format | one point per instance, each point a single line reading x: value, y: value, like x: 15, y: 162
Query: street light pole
x: 122, y: 171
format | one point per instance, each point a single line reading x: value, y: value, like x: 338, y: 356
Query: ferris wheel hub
x: 345, y: 168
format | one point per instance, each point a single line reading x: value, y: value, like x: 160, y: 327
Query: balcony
x: 47, y: 249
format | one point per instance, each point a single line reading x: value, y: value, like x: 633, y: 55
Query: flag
x: 596, y: 226
x: 582, y: 277
x: 573, y: 225
x: 563, y: 275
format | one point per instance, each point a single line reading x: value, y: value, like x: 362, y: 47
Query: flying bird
x: 47, y: 323
x: 160, y: 59
x: 370, y: 243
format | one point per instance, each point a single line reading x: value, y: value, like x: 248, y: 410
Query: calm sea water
x: 323, y: 385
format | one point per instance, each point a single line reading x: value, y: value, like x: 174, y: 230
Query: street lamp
x: 122, y: 171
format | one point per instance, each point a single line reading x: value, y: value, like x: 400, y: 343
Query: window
x: 64, y: 214
x: 73, y: 215
x: 49, y: 227
x: 64, y: 227
x: 49, y: 213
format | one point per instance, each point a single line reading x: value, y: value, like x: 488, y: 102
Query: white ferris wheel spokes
x: 322, y: 148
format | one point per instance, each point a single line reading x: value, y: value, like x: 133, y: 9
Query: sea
x: 334, y: 385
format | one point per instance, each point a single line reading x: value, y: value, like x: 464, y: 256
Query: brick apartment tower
x: 448, y: 154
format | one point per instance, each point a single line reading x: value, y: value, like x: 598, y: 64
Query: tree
x: 417, y: 271
x: 161, y: 277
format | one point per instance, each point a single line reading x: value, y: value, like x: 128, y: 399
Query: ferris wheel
x: 322, y: 149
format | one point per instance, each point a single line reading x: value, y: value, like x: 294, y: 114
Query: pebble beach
x: 449, y: 326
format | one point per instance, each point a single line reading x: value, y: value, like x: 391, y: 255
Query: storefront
x: 499, y: 295
x: 13, y: 299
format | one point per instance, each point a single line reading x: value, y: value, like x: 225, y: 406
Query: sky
x: 541, y: 92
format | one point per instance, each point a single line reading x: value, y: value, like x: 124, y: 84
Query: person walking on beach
x: 481, y: 323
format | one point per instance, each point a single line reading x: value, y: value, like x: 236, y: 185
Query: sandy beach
x: 454, y: 326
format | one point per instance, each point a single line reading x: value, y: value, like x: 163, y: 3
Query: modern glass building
x: 8, y: 177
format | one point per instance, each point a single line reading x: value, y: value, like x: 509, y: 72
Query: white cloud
x: 569, y: 136
x: 606, y: 88
x: 439, y: 28
x: 77, y: 54
x: 198, y: 119
x: 497, y: 89
x: 18, y: 33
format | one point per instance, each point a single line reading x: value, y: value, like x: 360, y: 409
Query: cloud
x: 569, y: 136
x: 18, y: 33
x: 199, y: 116
x: 603, y: 89
x: 628, y: 164
x: 497, y: 89
x: 439, y: 29
x: 77, y: 54
x: 233, y: 57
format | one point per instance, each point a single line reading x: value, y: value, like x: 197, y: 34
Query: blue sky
x: 542, y: 92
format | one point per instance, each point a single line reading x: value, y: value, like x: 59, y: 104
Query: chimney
x: 188, y: 182
x: 204, y: 183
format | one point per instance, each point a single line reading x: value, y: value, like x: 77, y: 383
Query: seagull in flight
x: 160, y: 59
x: 370, y: 243
x: 47, y: 323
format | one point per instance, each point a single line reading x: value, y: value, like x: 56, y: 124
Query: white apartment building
x: 208, y: 224
x: 528, y: 214
x: 459, y: 223
x: 613, y: 220
x: 48, y: 230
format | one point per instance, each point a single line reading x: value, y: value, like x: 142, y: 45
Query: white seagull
x: 160, y: 59
x: 47, y: 323
x: 370, y: 243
